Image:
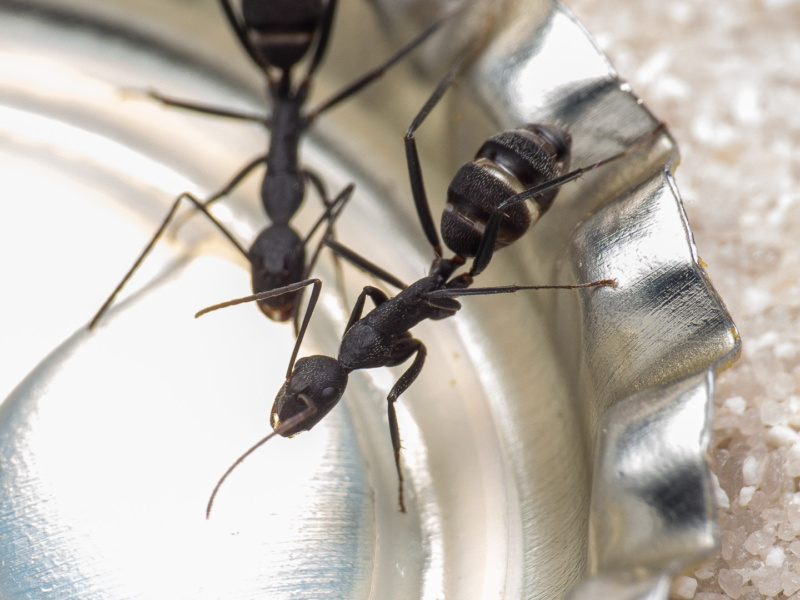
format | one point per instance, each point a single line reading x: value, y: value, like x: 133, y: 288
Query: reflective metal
x: 551, y: 436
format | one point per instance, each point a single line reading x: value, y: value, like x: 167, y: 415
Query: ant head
x: 277, y: 258
x: 317, y: 381
x: 282, y: 31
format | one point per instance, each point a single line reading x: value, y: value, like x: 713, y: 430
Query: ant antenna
x: 513, y: 289
x: 312, y: 302
x: 287, y: 426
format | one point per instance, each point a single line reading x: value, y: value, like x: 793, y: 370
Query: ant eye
x: 329, y: 393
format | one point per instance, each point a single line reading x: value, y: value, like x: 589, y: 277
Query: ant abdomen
x: 277, y: 259
x: 282, y: 30
x: 507, y: 164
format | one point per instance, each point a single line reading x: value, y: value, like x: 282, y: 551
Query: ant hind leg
x: 153, y: 240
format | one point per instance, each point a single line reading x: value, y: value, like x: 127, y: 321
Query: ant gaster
x: 277, y: 35
x: 482, y: 215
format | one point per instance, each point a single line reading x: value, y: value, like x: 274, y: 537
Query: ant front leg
x: 406, y: 379
x: 378, y: 298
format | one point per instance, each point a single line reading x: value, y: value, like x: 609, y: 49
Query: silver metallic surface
x: 551, y: 436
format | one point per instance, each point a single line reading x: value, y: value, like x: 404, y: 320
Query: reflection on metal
x: 554, y: 442
x: 653, y: 516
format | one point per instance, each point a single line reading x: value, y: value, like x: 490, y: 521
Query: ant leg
x: 241, y: 33
x: 322, y: 42
x: 235, y: 180
x: 483, y: 256
x: 378, y: 298
x: 316, y: 181
x: 406, y: 379
x: 222, y: 192
x: 375, y: 73
x: 284, y: 428
x: 201, y: 108
x: 318, y: 184
x: 155, y: 239
x: 362, y: 263
x: 486, y: 247
x: 412, y: 158
x: 332, y: 212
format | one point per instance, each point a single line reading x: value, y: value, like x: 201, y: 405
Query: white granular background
x: 725, y: 76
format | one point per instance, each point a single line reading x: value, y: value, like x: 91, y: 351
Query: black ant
x: 276, y: 38
x: 484, y: 213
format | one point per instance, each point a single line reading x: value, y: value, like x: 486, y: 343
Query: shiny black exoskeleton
x: 277, y: 35
x: 485, y: 211
x: 508, y: 163
x: 381, y: 338
x: 509, y: 168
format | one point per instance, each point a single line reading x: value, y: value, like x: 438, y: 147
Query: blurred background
x: 725, y: 78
